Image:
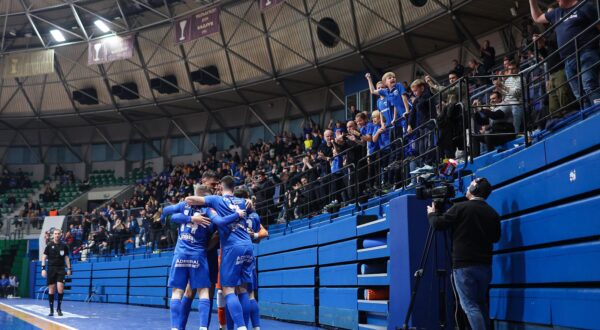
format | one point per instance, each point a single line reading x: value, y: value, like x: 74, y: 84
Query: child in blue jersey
x: 190, y: 260
x: 236, y: 247
x: 395, y: 94
x: 388, y: 112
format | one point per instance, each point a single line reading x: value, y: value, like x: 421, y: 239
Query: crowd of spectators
x: 8, y: 286
x: 295, y: 176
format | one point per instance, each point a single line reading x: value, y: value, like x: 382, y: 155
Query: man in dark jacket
x: 475, y: 228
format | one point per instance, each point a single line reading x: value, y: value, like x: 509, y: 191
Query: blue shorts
x: 236, y: 265
x: 186, y: 268
x: 212, y: 256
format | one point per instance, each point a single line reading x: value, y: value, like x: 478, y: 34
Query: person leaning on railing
x: 495, y: 119
x: 581, y: 22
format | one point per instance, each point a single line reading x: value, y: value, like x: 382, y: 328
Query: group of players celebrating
x: 218, y: 214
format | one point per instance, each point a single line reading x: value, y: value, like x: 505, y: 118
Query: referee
x: 57, y: 254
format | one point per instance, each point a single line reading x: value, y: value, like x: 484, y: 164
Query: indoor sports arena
x: 299, y: 164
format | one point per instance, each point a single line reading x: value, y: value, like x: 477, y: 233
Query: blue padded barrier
x: 81, y: 266
x: 79, y: 281
x: 345, y: 298
x: 280, y: 244
x: 118, y: 298
x: 74, y: 296
x: 338, y: 252
x: 338, y: 230
x: 151, y: 262
x: 519, y: 164
x: 568, y: 307
x: 81, y: 274
x: 573, y: 139
x: 158, y: 291
x: 377, y: 319
x: 377, y: 306
x: 109, y: 281
x: 375, y: 210
x: 380, y: 251
x: 148, y: 281
x: 148, y: 300
x: 301, y: 313
x: 571, y: 263
x: 147, y: 272
x: 379, y: 225
x: 78, y: 289
x: 297, y: 258
x: 338, y: 317
x: 115, y: 290
x: 568, y: 179
x: 569, y: 221
x: 294, y: 296
x: 368, y: 243
x: 342, y: 275
x: 288, y: 277
x: 123, y: 264
x: 110, y: 273
x: 373, y: 268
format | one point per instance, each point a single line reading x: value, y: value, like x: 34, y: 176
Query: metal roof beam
x: 186, y: 135
x: 35, y: 29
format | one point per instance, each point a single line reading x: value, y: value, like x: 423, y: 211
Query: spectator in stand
x: 495, y: 119
x: 13, y: 285
x: 134, y: 230
x: 156, y: 230
x: 488, y: 56
x: 579, y: 22
x: 449, y: 115
x: 458, y: 68
x: 395, y: 95
x: 381, y: 136
x: 4, y: 286
x: 559, y: 93
x: 418, y: 121
x: 477, y: 70
x: 512, y: 95
x: 119, y: 236
x: 101, y: 241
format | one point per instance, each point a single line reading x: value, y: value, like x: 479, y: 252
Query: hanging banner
x: 198, y: 25
x: 28, y: 64
x: 268, y: 4
x: 110, y: 49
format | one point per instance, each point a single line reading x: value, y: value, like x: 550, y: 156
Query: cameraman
x: 475, y: 227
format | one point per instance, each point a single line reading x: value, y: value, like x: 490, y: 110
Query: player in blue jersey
x: 257, y: 232
x: 189, y: 260
x: 236, y: 247
x: 209, y: 184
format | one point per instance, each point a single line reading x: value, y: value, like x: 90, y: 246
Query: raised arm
x: 173, y: 209
x: 536, y: 13
x: 224, y: 221
x: 371, y: 86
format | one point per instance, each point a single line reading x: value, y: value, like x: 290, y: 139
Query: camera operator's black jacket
x: 476, y: 226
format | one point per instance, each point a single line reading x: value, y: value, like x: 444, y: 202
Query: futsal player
x: 189, y: 260
x: 57, y: 255
x: 236, y: 247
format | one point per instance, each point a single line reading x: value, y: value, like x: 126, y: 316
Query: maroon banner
x: 198, y: 25
x: 110, y: 49
x: 267, y: 4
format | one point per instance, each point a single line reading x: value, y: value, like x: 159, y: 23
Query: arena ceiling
x: 271, y: 64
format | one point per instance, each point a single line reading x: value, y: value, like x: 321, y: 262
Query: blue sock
x: 245, y: 302
x: 175, y: 313
x: 210, y: 311
x: 203, y: 309
x: 254, y: 314
x: 229, y: 319
x: 186, y: 307
x: 235, y: 308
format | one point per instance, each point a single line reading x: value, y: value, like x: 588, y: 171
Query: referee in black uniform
x: 57, y: 254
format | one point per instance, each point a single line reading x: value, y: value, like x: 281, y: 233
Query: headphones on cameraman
x: 482, y: 188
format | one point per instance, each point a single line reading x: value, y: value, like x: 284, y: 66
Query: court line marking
x: 17, y: 312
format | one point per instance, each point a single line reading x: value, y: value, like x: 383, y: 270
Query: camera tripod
x: 441, y: 277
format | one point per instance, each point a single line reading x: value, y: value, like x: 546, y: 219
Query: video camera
x: 438, y: 190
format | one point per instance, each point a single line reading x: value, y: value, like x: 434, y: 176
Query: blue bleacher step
x: 372, y: 226
x: 371, y: 327
x: 373, y: 252
x: 373, y: 279
x: 378, y: 306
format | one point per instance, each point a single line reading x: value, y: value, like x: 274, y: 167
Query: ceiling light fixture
x: 57, y: 35
x: 102, y: 26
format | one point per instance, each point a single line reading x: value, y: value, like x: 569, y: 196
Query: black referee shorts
x: 55, y: 275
